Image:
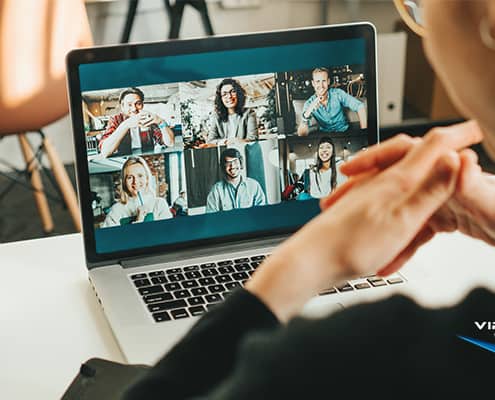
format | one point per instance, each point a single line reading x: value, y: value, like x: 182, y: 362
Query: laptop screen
x: 219, y: 143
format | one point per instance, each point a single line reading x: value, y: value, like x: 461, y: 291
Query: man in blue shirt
x: 234, y: 191
x: 327, y: 106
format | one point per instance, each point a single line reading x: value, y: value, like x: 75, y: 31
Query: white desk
x: 51, y: 321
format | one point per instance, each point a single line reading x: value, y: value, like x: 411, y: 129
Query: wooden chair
x: 35, y: 36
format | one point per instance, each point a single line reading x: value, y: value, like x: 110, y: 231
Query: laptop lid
x: 192, y: 143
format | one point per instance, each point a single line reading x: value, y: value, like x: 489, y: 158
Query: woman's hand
x: 469, y: 210
x: 368, y: 227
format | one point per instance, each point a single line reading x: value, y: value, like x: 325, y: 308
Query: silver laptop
x: 195, y: 158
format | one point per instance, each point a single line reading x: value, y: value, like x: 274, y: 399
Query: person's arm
x: 114, y: 135
x: 251, y: 126
x: 309, y: 106
x: 259, y: 197
x: 213, y: 201
x: 162, y: 209
x: 207, y: 354
x: 213, y: 131
x: 354, y: 105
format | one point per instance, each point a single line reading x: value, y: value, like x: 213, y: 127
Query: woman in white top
x: 323, y: 176
x: 231, y: 122
x: 137, y: 201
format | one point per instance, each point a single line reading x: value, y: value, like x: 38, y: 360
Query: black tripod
x: 174, y: 12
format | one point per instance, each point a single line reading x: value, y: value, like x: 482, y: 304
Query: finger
x: 421, y: 202
x: 380, y: 156
x: 424, y: 236
x: 420, y: 160
x: 333, y: 197
x: 469, y: 169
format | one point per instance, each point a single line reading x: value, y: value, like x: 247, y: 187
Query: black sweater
x: 393, y: 347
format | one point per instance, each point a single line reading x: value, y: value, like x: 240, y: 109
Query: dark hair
x: 321, y: 69
x: 232, y: 153
x: 132, y: 90
x: 319, y: 162
x: 220, y: 109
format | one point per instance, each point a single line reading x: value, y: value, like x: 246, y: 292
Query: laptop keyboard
x: 190, y: 291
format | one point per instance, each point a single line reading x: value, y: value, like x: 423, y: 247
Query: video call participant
x: 231, y: 122
x: 234, y: 191
x: 323, y: 176
x: 327, y: 105
x: 134, y: 128
x: 137, y: 202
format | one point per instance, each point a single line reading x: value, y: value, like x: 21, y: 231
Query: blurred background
x: 411, y: 99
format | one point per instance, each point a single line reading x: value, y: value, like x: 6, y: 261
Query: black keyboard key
x: 182, y: 294
x: 191, y: 268
x: 345, y: 288
x: 195, y: 301
x: 375, y: 281
x: 156, y: 298
x: 232, y: 285
x: 193, y: 275
x: 223, y: 278
x: 176, y: 278
x: 255, y: 264
x: 161, y: 316
x: 242, y: 267
x: 241, y: 260
x: 213, y: 298
x: 216, y: 288
x: 206, y: 281
x: 395, y: 280
x: 250, y: 272
x: 258, y: 258
x: 210, y: 272
x: 207, y: 265
x: 239, y: 276
x: 226, y: 262
x: 157, y: 280
x: 196, y: 311
x: 141, y: 282
x: 150, y: 290
x: 200, y: 291
x: 180, y: 313
x: 172, y: 287
x: 227, y: 269
x: 167, y: 305
x: 173, y: 271
x: 138, y: 276
x: 189, y: 284
x: 157, y: 273
x: 362, y: 285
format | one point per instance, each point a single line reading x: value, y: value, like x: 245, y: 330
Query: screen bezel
x: 99, y: 54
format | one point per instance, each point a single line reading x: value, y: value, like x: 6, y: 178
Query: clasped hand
x: 399, y: 194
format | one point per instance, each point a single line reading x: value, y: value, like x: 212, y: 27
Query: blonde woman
x: 137, y: 201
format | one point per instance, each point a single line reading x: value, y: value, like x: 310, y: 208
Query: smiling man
x: 234, y: 191
x: 327, y: 105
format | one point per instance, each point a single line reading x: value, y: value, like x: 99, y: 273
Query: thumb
x: 432, y: 192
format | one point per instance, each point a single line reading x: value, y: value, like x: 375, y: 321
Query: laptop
x: 195, y: 158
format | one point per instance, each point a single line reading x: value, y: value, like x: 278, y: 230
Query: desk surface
x: 51, y: 321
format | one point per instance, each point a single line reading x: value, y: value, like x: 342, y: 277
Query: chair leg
x: 63, y: 182
x: 38, y: 193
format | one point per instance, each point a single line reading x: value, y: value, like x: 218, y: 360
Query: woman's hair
x: 220, y: 109
x: 124, y: 192
x: 319, y: 162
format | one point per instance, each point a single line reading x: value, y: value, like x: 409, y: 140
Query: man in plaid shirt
x: 134, y: 128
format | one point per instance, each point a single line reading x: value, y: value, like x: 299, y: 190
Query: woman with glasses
x: 231, y: 122
x: 398, y: 196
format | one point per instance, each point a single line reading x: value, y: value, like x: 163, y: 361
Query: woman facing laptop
x: 399, y: 195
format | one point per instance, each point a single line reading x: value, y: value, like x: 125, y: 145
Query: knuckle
x: 436, y: 137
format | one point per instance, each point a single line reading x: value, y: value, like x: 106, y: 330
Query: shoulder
x: 337, y: 92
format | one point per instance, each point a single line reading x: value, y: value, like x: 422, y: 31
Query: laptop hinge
x: 207, y: 251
